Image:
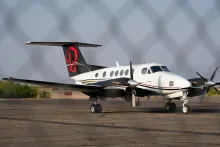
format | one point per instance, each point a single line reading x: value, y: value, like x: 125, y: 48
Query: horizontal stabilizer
x: 74, y: 87
x: 79, y: 44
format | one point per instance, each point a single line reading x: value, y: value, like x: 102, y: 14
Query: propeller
x: 132, y: 84
x: 209, y: 83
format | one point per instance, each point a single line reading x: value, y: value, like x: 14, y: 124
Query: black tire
x: 168, y: 107
x: 186, y: 109
x: 99, y: 108
x: 173, y: 106
x: 93, y: 108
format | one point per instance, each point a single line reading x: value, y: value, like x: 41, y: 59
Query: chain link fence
x: 184, y: 35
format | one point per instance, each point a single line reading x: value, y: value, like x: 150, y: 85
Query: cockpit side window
x: 155, y: 69
x: 165, y: 69
x: 144, y: 71
x: 148, y: 71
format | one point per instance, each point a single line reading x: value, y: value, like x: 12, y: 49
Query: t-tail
x: 75, y: 61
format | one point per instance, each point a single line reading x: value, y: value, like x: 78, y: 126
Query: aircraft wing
x: 114, y: 85
x: 120, y: 84
x: 77, y: 87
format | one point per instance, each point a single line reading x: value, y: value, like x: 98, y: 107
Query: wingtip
x: 28, y: 42
x: 8, y: 78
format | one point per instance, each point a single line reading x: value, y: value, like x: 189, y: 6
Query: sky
x: 167, y: 32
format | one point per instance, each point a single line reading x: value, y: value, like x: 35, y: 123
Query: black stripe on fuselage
x: 150, y: 87
x: 119, y: 85
x: 161, y: 88
x: 95, y: 80
x: 101, y: 81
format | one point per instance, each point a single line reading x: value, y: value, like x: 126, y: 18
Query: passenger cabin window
x: 116, y: 73
x: 104, y: 74
x: 155, y: 69
x: 165, y: 68
x: 144, y: 71
x: 112, y: 73
x: 126, y: 72
x: 121, y: 72
x: 96, y: 75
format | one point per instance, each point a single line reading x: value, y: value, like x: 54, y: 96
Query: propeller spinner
x: 209, y: 83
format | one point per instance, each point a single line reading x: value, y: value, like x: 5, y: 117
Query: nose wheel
x: 170, y: 107
x: 186, y: 108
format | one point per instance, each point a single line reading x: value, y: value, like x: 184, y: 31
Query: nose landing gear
x: 171, y: 107
x: 186, y: 108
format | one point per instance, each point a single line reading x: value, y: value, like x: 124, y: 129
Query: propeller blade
x: 131, y: 71
x: 213, y: 75
x: 202, y: 77
x: 133, y: 98
x: 203, y: 95
x: 133, y: 91
x: 217, y: 83
x: 216, y: 90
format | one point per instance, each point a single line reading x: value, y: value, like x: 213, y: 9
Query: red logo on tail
x: 71, y: 58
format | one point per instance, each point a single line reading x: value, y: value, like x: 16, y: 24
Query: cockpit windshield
x: 159, y: 68
x: 155, y: 69
x: 165, y: 68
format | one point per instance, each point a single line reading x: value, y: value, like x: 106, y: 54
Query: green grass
x: 212, y: 92
x: 9, y: 89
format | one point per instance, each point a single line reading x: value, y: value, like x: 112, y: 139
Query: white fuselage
x: 162, y: 82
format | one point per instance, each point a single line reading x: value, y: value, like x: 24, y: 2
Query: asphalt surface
x: 51, y: 123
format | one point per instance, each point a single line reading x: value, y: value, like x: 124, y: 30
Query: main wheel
x: 93, y: 108
x: 168, y: 107
x: 99, y: 108
x: 186, y: 109
x: 173, y: 106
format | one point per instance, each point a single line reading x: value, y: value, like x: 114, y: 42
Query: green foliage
x: 45, y: 94
x: 6, y: 89
x: 212, y: 92
x: 9, y: 89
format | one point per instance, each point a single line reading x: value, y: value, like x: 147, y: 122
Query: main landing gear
x: 96, y: 108
x: 170, y: 106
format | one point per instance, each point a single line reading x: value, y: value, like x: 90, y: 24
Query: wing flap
x: 75, y: 87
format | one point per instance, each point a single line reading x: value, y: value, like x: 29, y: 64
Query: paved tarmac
x: 50, y: 123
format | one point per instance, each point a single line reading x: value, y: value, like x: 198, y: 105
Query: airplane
x: 126, y: 82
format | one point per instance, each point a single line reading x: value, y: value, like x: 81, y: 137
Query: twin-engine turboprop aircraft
x: 128, y: 82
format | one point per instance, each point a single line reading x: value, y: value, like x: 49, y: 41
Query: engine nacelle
x: 132, y: 83
x: 128, y: 90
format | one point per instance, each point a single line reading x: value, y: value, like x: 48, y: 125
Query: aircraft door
x: 149, y: 77
x: 160, y: 84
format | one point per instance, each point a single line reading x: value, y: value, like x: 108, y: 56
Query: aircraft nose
x: 185, y: 83
x: 178, y: 81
